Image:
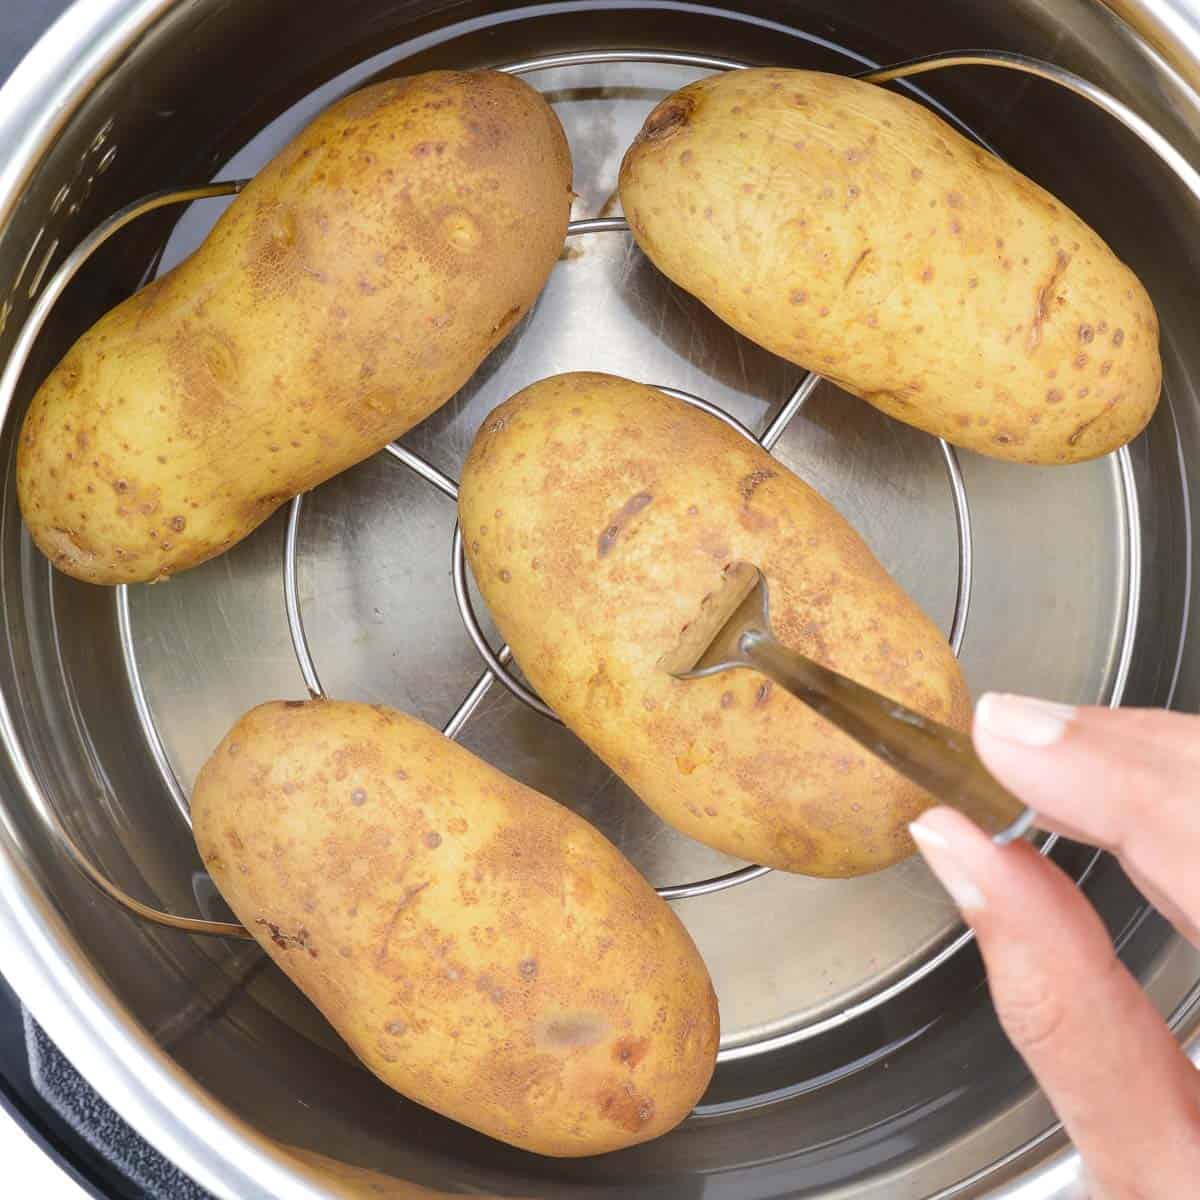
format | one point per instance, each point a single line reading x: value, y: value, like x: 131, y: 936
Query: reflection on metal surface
x: 1172, y: 27
x: 791, y: 958
x: 145, y: 713
x: 1133, y: 121
x: 291, y: 598
x: 8, y: 382
x: 496, y: 662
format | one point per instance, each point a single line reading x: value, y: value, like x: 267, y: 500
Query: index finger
x: 1125, y: 780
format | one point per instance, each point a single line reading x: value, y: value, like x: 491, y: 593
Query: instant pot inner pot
x: 857, y: 1044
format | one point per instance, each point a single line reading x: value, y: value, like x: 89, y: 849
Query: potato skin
x: 483, y: 950
x: 597, y: 513
x: 351, y: 289
x: 852, y: 231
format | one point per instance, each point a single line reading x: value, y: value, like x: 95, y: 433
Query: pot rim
x: 40, y: 956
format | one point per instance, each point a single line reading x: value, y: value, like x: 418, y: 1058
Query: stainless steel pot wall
x: 860, y: 1056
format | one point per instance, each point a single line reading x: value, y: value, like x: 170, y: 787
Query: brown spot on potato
x: 527, y: 968
x: 1081, y: 429
x: 625, y: 1107
x: 749, y: 484
x: 630, y: 1051
x: 385, y: 943
x: 798, y: 296
x: 484, y: 983
x: 667, y: 119
x: 726, y: 699
x: 433, y: 839
x: 1054, y: 396
x: 858, y: 262
x: 1118, y: 336
x: 396, y: 1028
x: 285, y: 941
x: 500, y: 330
x: 572, y: 1031
x: 1043, y: 298
x: 620, y: 520
x: 763, y: 694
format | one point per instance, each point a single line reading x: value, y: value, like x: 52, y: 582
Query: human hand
x: 1128, y: 781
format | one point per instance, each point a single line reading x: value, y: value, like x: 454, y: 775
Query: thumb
x: 1127, y: 1094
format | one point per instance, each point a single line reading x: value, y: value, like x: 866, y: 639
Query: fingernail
x: 948, y: 868
x: 1023, y: 719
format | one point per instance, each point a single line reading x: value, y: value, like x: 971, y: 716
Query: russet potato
x: 349, y: 291
x: 852, y: 231
x: 482, y: 950
x: 597, y: 514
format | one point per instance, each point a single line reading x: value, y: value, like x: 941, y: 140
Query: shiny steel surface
x: 495, y: 665
x: 47, y: 296
x: 859, y: 1057
x: 1141, y: 128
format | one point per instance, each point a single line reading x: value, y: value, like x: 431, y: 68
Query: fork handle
x: 939, y: 759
